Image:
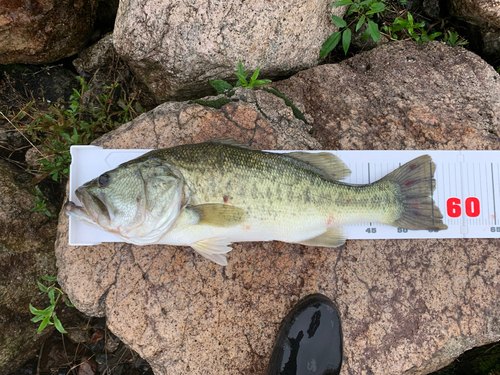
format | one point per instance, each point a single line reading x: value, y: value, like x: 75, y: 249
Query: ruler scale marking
x: 432, y: 193
x: 369, y: 179
x: 481, y: 219
x: 488, y: 219
x: 460, y: 177
x: 493, y: 191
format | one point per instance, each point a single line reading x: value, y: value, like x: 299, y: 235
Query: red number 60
x: 472, y: 208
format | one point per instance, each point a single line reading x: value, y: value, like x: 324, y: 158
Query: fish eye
x: 103, y: 180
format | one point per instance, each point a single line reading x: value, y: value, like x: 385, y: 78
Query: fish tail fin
x: 417, y: 184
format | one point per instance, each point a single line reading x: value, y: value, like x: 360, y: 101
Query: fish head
x: 138, y: 201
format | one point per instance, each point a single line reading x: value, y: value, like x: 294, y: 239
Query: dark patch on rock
x: 50, y: 83
x: 217, y: 103
x: 296, y: 112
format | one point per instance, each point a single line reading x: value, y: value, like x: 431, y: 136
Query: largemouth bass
x: 211, y: 194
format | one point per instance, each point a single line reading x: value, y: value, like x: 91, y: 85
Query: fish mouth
x: 79, y: 212
x: 92, y: 210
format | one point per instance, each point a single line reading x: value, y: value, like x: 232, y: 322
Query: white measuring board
x: 467, y: 190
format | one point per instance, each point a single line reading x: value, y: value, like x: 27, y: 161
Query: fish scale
x: 266, y: 175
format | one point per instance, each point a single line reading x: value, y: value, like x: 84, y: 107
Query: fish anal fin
x: 219, y: 215
x: 333, y: 237
x: 329, y: 165
x: 213, y: 249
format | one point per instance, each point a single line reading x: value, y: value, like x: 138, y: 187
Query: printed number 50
x: 472, y: 208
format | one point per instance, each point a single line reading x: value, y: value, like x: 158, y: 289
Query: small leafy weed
x: 40, y: 202
x: 416, y: 31
x: 74, y: 123
x: 368, y: 12
x: 453, y: 39
x: 364, y: 12
x: 48, y: 315
x: 223, y: 87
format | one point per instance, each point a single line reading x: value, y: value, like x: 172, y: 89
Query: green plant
x: 364, y: 12
x: 416, y: 31
x: 74, y: 123
x: 48, y: 315
x: 453, y: 39
x: 40, y: 202
x: 222, y: 86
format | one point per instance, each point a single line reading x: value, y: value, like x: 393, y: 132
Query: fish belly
x: 292, y: 221
x: 184, y: 233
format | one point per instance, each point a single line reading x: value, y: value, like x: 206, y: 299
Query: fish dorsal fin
x: 213, y: 249
x: 333, y: 237
x: 329, y: 165
x: 219, y: 215
x: 234, y: 143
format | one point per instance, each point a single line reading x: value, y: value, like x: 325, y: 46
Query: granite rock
x: 96, y: 56
x: 483, y: 17
x: 26, y: 253
x: 44, y: 31
x: 402, y: 96
x: 477, y: 11
x: 175, y: 48
x: 407, y: 306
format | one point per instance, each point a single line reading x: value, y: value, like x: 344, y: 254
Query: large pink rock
x: 407, y: 306
x: 43, y: 31
x: 176, y: 47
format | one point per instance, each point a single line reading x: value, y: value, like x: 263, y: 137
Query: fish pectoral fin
x: 330, y: 166
x: 333, y: 237
x: 219, y: 215
x: 213, y: 249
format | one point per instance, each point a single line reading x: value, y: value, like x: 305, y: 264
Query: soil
x: 89, y: 349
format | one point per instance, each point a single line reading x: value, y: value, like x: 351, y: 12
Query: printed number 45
x: 371, y: 230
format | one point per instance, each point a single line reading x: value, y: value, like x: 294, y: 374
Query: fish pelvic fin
x: 333, y: 237
x: 214, y: 249
x: 219, y: 215
x: 417, y: 184
x: 328, y: 165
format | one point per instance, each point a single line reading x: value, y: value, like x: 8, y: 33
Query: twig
x: 64, y: 347
x: 487, y: 350
x: 19, y: 164
x: 20, y: 132
x: 39, y: 359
